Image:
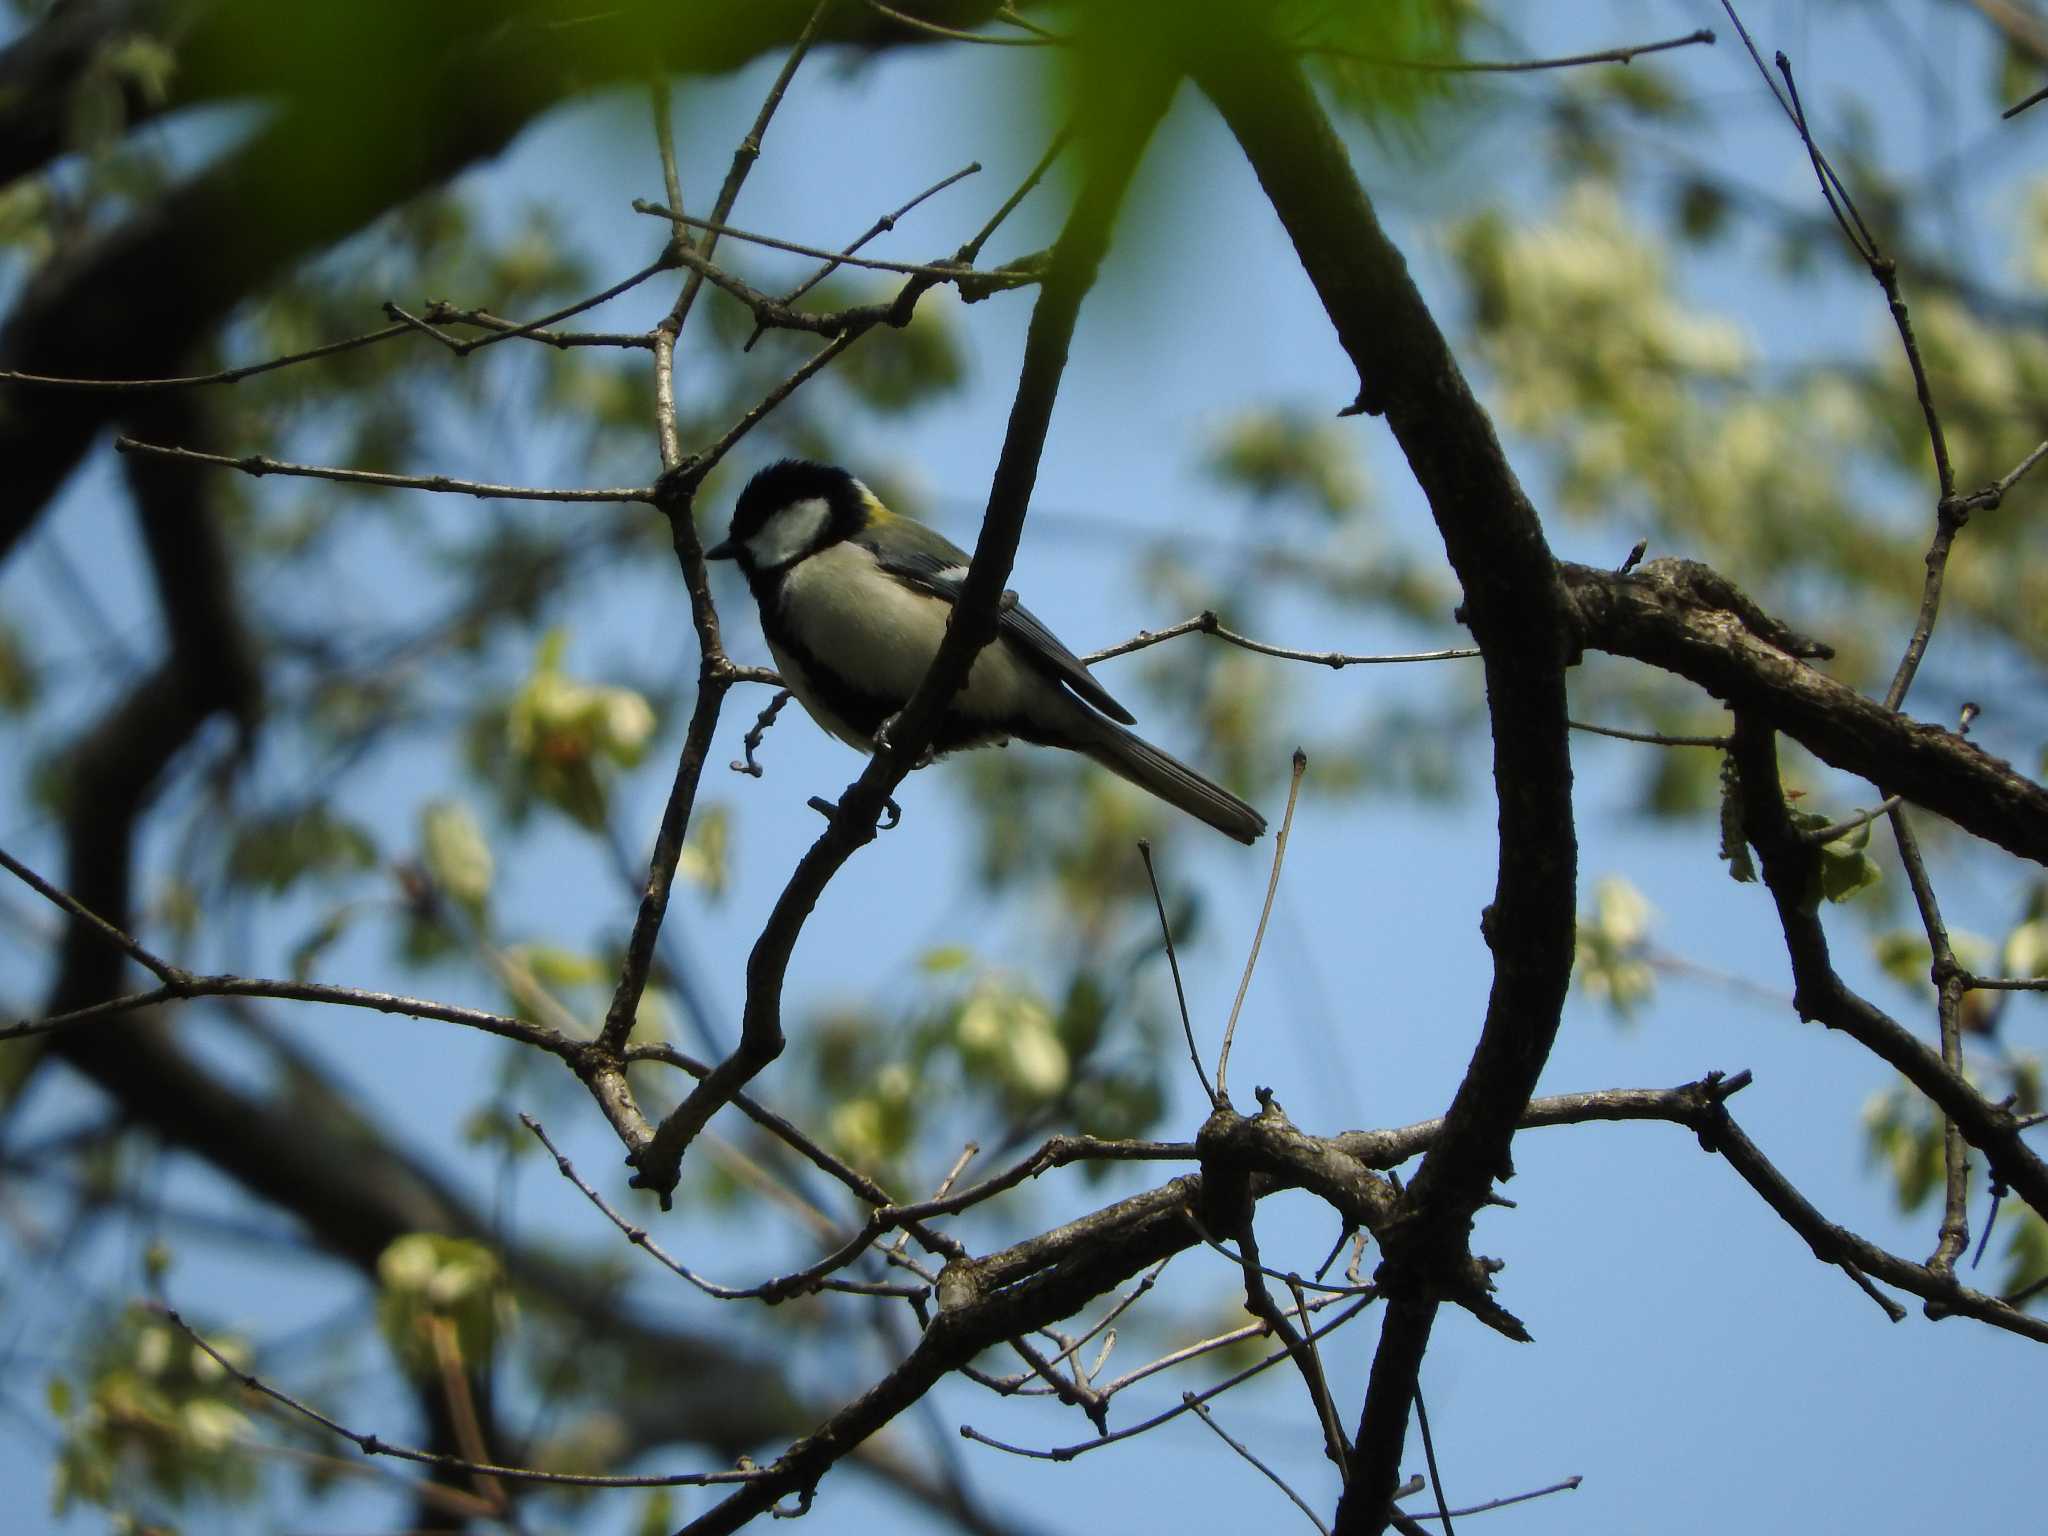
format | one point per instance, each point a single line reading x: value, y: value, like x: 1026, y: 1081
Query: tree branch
x: 1076, y: 257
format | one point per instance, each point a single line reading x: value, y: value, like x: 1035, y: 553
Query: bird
x: 854, y: 600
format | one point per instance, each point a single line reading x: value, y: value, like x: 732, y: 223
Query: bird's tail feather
x: 1132, y: 757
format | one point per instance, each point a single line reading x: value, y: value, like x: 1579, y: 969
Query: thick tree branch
x: 1790, y: 869
x: 1515, y: 606
x: 1664, y: 615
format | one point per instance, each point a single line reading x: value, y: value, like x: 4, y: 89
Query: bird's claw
x: 892, y: 813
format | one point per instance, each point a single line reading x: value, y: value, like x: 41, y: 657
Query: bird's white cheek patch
x: 790, y: 532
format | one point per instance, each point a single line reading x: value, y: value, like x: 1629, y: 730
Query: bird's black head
x: 791, y: 509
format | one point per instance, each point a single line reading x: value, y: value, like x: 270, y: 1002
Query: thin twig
x: 751, y: 742
x: 1436, y: 1478
x: 639, y: 1238
x: 1201, y: 1412
x: 259, y: 464
x: 1069, y: 1452
x: 954, y: 34
x: 971, y: 251
x: 535, y: 328
x: 1326, y: 1407
x: 1954, y: 1238
x: 1259, y: 936
x: 1653, y: 738
x: 1567, y: 1486
x: 1173, y: 964
x: 163, y: 970
x: 1206, y: 623
x: 372, y: 1445
x: 196, y: 380
x: 701, y: 263
x: 2025, y: 102
x: 1950, y: 512
x: 2005, y: 984
x: 805, y: 1146
x: 1823, y: 835
x: 743, y: 158
x: 1257, y: 1329
x: 881, y: 226
x: 1622, y: 55
x: 191, y: 986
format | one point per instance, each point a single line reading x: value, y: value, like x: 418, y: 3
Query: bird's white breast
x: 865, y: 625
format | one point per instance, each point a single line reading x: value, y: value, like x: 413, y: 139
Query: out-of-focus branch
x: 456, y: 82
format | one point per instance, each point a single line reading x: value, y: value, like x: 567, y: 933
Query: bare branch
x: 164, y: 971
x: 954, y: 34
x: 1622, y: 55
x: 1206, y: 623
x: 1658, y: 615
x: 1259, y: 935
x: 639, y: 1238
x: 259, y: 464
x: 1195, y: 1406
x: 1069, y: 1452
x: 743, y: 158
x: 1569, y: 1485
x: 372, y: 1445
x: 1180, y: 995
x: 1652, y: 738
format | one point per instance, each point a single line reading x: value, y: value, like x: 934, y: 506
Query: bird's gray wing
x: 933, y: 563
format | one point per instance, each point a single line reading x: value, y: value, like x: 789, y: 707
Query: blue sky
x: 1693, y: 1361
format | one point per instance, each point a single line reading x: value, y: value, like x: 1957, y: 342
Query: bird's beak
x: 722, y: 550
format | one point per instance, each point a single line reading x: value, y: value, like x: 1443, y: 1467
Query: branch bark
x: 1126, y: 119
x: 1663, y: 615
x: 1515, y: 605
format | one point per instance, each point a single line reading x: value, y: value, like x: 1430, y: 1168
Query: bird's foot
x: 892, y: 813
x: 885, y: 741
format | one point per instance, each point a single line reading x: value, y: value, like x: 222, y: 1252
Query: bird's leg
x: 885, y: 742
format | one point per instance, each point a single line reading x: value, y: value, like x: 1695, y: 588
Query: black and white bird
x: 854, y: 601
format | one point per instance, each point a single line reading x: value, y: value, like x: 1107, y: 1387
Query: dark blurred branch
x: 470, y: 75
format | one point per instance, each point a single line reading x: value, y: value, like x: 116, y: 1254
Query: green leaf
x: 1272, y: 453
x: 1904, y: 956
x: 657, y: 1513
x: 307, y: 952
x: 2026, y: 1253
x: 427, y: 1279
x: 2026, y: 950
x: 1846, y: 872
x: 705, y: 859
x: 456, y: 854
x: 17, y: 668
x: 277, y: 851
x: 944, y: 959
x: 144, y: 62
x: 554, y: 967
